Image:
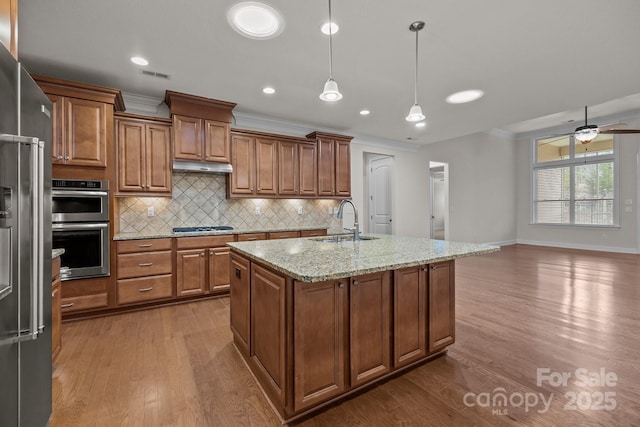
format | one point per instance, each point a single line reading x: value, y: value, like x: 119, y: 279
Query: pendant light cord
x: 415, y: 82
x: 330, y: 44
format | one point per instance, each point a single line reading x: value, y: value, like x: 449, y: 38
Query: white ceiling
x: 539, y: 62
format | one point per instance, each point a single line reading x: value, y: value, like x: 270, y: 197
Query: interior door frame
x: 368, y: 159
x: 445, y: 169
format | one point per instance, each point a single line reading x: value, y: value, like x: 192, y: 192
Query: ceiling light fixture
x: 325, y: 28
x: 415, y: 113
x: 464, y: 96
x: 255, y: 20
x: 269, y: 90
x: 139, y: 60
x: 365, y: 112
x: 331, y: 93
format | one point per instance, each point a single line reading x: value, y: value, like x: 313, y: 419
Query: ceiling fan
x: 586, y: 133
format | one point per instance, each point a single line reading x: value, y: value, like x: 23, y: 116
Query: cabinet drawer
x: 283, y: 235
x: 144, y: 264
x: 313, y: 233
x: 203, y: 241
x: 144, y: 289
x: 146, y: 245
x: 85, y: 302
x: 252, y: 236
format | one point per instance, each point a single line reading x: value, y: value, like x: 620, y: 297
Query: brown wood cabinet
x: 251, y: 236
x: 243, y: 163
x: 144, y: 156
x: 266, y: 166
x: 239, y: 301
x: 284, y: 235
x: 334, y: 164
x: 288, y: 165
x: 370, y: 319
x: 308, y: 170
x: 313, y: 233
x: 202, y: 265
x: 200, y: 127
x: 9, y: 25
x: 56, y: 313
x: 442, y: 317
x: 190, y: 272
x: 409, y: 315
x: 219, y: 275
x: 144, y: 270
x: 320, y: 349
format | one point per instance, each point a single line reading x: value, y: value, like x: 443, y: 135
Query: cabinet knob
x: 355, y: 282
x: 202, y: 254
x: 59, y: 157
x: 341, y: 285
x: 67, y: 158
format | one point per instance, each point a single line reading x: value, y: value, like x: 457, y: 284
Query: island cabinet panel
x: 239, y: 301
x: 268, y: 334
x: 441, y: 305
x: 319, y: 340
x: 409, y: 315
x: 370, y: 320
x: 191, y: 274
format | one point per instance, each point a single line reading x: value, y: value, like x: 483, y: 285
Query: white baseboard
x: 503, y: 243
x: 579, y: 246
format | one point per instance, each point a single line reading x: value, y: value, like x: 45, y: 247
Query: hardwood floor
x: 516, y: 311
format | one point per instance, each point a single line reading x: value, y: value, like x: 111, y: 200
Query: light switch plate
x: 300, y: 210
x: 150, y: 211
x: 257, y: 210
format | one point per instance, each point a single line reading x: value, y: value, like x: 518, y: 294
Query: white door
x: 380, y: 195
x: 438, y: 202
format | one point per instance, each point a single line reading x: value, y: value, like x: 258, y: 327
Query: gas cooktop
x: 197, y: 229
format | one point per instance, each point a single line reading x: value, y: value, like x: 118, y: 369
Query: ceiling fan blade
x: 620, y: 131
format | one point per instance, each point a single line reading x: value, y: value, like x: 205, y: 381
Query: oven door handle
x: 68, y: 193
x: 80, y: 226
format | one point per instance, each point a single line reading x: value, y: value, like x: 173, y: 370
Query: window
x: 575, y: 183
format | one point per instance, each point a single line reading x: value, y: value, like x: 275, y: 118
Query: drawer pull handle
x: 145, y: 264
x: 435, y: 267
x: 67, y: 305
x: 252, y: 238
x: 148, y: 245
x: 146, y: 289
x: 238, y: 273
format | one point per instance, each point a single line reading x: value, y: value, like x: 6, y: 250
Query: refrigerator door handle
x: 36, y: 317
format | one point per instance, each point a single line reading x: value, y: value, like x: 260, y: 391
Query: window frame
x: 571, y: 162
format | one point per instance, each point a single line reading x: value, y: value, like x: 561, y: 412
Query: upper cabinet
x: 143, y: 155
x: 334, y: 164
x: 201, y: 128
x: 82, y: 121
x: 9, y: 25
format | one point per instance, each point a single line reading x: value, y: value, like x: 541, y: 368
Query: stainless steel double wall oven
x: 80, y: 216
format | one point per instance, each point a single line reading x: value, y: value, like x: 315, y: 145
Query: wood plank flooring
x: 516, y: 311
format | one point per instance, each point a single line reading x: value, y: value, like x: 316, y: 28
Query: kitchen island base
x: 310, y: 345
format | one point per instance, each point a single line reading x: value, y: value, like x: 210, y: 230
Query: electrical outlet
x: 330, y: 210
x: 258, y: 210
x: 300, y: 210
x: 150, y: 211
x: 628, y: 209
x: 628, y: 201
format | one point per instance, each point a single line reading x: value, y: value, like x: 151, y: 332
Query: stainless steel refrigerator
x: 25, y: 248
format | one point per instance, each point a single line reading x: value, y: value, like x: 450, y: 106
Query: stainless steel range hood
x: 203, y: 167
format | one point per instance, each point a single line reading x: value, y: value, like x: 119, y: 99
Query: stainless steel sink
x: 341, y: 238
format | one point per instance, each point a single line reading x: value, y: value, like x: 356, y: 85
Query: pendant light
x: 415, y: 113
x: 330, y: 92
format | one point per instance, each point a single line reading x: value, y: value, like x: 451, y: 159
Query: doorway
x: 439, y: 200
x: 380, y: 215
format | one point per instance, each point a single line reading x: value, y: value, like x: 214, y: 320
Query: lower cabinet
x: 409, y: 315
x: 56, y: 313
x: 239, y: 303
x: 202, y: 265
x: 190, y: 272
x: 219, y: 277
x: 442, y: 315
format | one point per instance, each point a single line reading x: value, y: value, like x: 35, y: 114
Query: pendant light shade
x: 415, y: 113
x: 330, y: 92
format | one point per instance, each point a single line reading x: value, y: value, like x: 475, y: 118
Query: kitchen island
x: 318, y: 319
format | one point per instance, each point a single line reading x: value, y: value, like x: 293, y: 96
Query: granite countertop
x: 310, y: 260
x: 55, y: 253
x: 159, y: 235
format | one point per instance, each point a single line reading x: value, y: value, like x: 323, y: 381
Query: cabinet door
x: 343, y: 168
x: 326, y: 167
x: 243, y: 162
x: 266, y: 166
x: 57, y: 126
x: 442, y: 317
x: 219, y: 259
x: 131, y: 156
x: 158, y: 158
x: 319, y: 342
x: 85, y: 132
x: 370, y: 319
x: 56, y: 318
x: 409, y: 315
x: 187, y: 138
x: 288, y: 165
x: 239, y: 301
x: 308, y: 170
x: 217, y: 146
x: 190, y: 267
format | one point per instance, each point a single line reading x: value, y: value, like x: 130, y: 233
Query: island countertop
x: 311, y: 260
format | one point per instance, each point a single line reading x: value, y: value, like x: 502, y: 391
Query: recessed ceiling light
x: 269, y: 90
x: 255, y: 20
x: 325, y: 28
x: 365, y: 112
x: 139, y: 60
x: 464, y: 96
x: 421, y: 124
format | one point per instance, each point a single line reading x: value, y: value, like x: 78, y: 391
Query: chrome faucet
x: 355, y: 229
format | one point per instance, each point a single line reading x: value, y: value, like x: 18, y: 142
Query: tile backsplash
x: 199, y: 200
